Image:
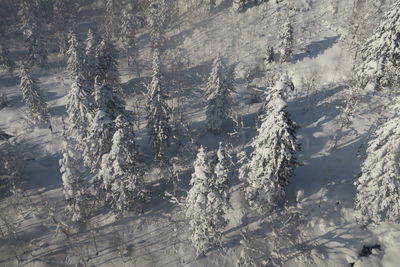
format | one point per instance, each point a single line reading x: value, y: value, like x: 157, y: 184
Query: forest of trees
x: 101, y: 164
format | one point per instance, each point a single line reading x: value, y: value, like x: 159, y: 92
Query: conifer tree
x: 80, y: 110
x: 108, y: 99
x: 377, y: 187
x: 156, y: 18
x: 279, y: 90
x: 5, y: 59
x: 215, y: 80
x: 72, y: 177
x: 32, y: 96
x: 222, y: 174
x: 269, y: 56
x: 158, y: 112
x: 101, y: 129
x: 111, y: 18
x: 64, y: 13
x: 90, y: 60
x: 129, y: 25
x: 218, y: 98
x: 75, y: 57
x: 107, y: 59
x: 99, y: 140
x: 205, y: 207
x: 32, y: 30
x: 120, y: 171
x: 286, y: 42
x: 379, y: 58
x: 272, y: 161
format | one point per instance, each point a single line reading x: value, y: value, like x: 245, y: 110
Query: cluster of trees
x: 265, y: 174
x: 377, y: 186
x: 378, y: 60
x: 208, y: 199
x: 100, y: 157
x: 100, y: 129
x: 99, y: 140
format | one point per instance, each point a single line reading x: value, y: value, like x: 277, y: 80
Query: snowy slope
x: 319, y: 195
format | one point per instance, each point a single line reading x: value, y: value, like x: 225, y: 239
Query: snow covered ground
x: 320, y: 196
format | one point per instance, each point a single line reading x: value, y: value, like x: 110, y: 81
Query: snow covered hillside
x: 199, y: 133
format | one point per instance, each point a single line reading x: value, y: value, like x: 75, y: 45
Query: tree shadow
x: 321, y: 166
x: 42, y: 173
x: 315, y: 48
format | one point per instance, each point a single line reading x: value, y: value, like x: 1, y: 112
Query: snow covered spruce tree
x: 379, y: 58
x: 272, y: 161
x: 112, y: 16
x: 75, y: 57
x: 32, y: 96
x: 218, y: 98
x: 90, y: 59
x: 156, y: 18
x: 129, y: 25
x: 109, y: 100
x: 79, y: 110
x: 107, y: 60
x: 377, y: 187
x: 215, y: 80
x: 280, y: 90
x: 5, y: 59
x: 269, y: 55
x: 205, y: 207
x: 31, y: 28
x: 120, y: 172
x: 102, y: 127
x: 158, y: 116
x: 64, y: 21
x: 286, y: 42
x: 222, y: 172
x: 72, y: 177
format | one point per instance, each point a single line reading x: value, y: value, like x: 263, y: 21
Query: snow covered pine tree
x: 112, y: 16
x: 75, y: 57
x: 101, y: 129
x: 158, y: 111
x: 205, y: 207
x: 218, y: 97
x: 222, y: 172
x: 72, y: 177
x: 379, y: 59
x: 378, y: 186
x: 107, y: 60
x: 120, y: 172
x: 32, y: 96
x: 156, y: 17
x: 90, y: 60
x: 269, y: 56
x: 129, y: 25
x: 5, y: 59
x: 272, y: 161
x: 33, y: 34
x: 286, y: 41
x: 64, y: 21
x: 79, y: 110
